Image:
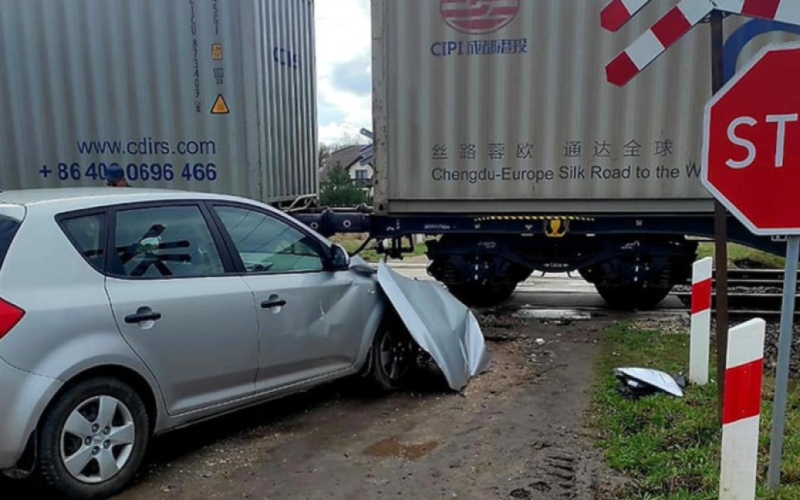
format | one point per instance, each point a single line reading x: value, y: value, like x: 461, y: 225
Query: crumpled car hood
x: 442, y: 326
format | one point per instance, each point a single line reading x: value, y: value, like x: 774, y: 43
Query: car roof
x: 47, y: 202
x: 95, y: 196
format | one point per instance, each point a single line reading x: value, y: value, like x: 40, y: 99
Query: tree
x: 325, y: 152
x: 339, y: 190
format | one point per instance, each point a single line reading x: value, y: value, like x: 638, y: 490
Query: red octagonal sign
x: 751, y: 157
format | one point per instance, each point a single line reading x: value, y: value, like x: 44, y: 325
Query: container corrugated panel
x: 203, y: 95
x: 522, y: 119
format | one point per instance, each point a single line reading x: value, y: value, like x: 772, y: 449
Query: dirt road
x: 516, y: 432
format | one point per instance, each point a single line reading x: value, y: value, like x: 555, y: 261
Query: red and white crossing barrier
x: 699, y: 349
x: 619, y: 12
x: 655, y: 41
x: 741, y: 414
x: 676, y: 23
x: 787, y: 11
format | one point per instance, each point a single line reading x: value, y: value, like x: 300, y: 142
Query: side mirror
x: 340, y: 259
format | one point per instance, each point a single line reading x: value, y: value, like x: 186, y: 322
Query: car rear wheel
x: 93, y: 439
x: 393, y: 356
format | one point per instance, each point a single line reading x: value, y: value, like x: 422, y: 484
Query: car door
x: 312, y: 319
x: 192, y: 324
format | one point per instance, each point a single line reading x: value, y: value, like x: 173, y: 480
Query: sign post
x: 720, y: 220
x: 784, y: 360
x: 751, y: 164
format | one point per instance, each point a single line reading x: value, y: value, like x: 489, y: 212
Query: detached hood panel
x: 444, y: 327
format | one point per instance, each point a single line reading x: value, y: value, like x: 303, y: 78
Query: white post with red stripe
x: 700, y: 343
x: 741, y: 414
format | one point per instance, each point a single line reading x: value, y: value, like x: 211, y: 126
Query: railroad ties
x: 751, y: 292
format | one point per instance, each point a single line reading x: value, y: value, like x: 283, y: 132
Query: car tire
x: 393, y: 357
x: 86, y: 448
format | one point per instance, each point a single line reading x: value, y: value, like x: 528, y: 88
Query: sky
x: 344, y: 60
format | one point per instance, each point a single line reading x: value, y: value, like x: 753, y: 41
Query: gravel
x: 771, y: 349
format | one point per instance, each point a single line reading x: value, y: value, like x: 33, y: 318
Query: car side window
x: 164, y: 242
x: 87, y: 233
x: 268, y: 245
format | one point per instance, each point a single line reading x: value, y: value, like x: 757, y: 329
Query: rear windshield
x: 8, y: 228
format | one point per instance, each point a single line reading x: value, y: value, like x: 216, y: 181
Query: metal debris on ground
x: 553, y: 314
x: 641, y: 382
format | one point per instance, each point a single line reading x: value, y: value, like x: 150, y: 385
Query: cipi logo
x: 479, y: 16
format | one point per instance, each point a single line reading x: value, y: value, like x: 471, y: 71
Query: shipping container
x: 204, y: 95
x: 503, y: 107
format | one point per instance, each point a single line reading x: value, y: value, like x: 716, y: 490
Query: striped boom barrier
x: 655, y: 41
x: 786, y: 11
x: 619, y: 12
x: 675, y: 24
x: 741, y: 414
x: 701, y: 321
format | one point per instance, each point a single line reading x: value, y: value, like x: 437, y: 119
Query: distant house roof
x: 345, y: 158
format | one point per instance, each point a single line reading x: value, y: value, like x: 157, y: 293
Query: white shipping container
x: 502, y: 106
x: 204, y: 95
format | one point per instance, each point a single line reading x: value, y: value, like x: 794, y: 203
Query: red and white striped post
x: 700, y: 342
x: 742, y: 411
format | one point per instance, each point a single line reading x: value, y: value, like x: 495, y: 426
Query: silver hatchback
x: 127, y: 313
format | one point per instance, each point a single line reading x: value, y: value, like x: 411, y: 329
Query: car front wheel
x: 93, y: 439
x: 394, y: 355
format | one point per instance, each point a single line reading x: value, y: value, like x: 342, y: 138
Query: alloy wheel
x: 97, y: 439
x: 396, y: 356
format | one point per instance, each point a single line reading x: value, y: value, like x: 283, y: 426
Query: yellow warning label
x: 216, y: 52
x: 556, y: 228
x: 220, y: 106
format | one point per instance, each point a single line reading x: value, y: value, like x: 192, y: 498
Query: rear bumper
x: 23, y: 398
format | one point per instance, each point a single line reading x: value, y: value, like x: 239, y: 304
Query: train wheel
x: 483, y: 296
x: 633, y: 298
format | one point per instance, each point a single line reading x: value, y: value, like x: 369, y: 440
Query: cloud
x: 340, y: 133
x: 354, y: 76
x: 344, y: 49
x: 329, y: 113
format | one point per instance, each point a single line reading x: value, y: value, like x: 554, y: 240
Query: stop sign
x: 751, y: 157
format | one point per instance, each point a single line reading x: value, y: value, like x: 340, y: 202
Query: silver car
x: 126, y: 313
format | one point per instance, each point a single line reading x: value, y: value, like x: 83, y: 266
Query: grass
x: 351, y: 243
x: 670, y: 447
x: 741, y: 256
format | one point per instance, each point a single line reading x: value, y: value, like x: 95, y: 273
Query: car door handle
x: 272, y: 304
x: 142, y: 317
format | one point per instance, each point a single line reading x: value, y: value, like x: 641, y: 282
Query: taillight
x: 10, y: 315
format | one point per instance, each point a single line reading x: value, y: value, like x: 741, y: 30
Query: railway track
x: 751, y: 292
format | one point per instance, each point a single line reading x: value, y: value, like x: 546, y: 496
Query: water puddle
x: 393, y: 448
